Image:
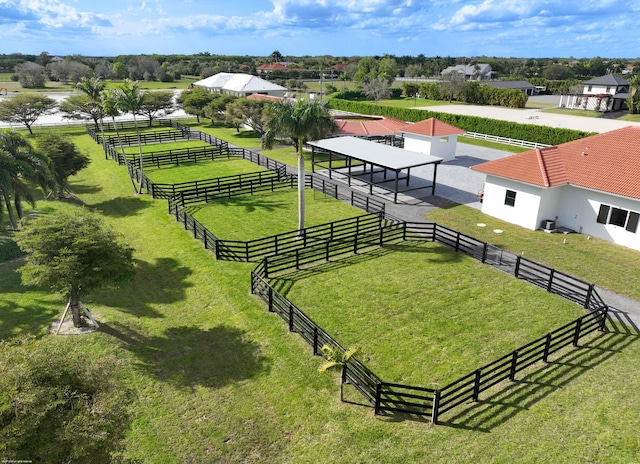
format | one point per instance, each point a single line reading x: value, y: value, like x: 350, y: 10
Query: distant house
x: 240, y: 85
x: 605, y: 93
x: 523, y: 86
x: 477, y: 72
x: 589, y: 186
x: 432, y: 137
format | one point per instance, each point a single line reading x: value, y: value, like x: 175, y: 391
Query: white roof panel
x: 375, y: 153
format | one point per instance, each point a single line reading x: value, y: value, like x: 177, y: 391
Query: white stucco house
x: 431, y: 137
x: 590, y: 186
x: 605, y: 93
x: 240, y: 85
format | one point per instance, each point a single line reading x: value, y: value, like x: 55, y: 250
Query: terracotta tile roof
x: 381, y: 126
x: 432, y: 127
x: 608, y: 162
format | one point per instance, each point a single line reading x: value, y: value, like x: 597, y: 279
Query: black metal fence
x: 416, y: 400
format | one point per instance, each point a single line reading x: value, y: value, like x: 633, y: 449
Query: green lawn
x: 423, y: 315
x: 582, y: 113
x: 200, y: 171
x: 244, y: 138
x: 408, y: 102
x: 216, y: 378
x: 155, y: 147
x: 492, y: 145
x: 249, y: 217
x: 630, y: 117
x: 597, y: 261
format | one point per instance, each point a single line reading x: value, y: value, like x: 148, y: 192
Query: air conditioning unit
x: 549, y: 224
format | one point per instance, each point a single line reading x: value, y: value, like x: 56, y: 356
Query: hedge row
x: 527, y: 132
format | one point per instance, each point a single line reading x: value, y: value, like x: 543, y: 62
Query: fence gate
x: 501, y: 259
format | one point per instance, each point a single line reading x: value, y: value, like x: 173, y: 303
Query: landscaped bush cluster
x: 528, y: 132
x: 478, y: 94
x: 8, y: 249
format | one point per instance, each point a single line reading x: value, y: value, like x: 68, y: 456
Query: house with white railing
x: 589, y: 186
x: 606, y: 93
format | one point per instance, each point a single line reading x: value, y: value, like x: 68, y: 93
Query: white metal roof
x: 375, y: 153
x: 238, y: 82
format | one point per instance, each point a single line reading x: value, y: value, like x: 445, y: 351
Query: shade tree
x: 26, y: 109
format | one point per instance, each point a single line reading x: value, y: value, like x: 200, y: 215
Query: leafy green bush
x: 396, y: 92
x: 8, y: 249
x: 528, y: 132
x: 58, y: 405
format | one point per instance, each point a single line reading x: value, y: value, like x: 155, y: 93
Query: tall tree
x: 130, y: 100
x: 31, y: 75
x: 81, y: 106
x: 26, y: 109
x: 66, y: 159
x: 21, y: 170
x: 195, y: 100
x: 299, y: 121
x: 92, y: 87
x: 157, y: 104
x: 110, y: 106
x: 377, y: 89
x: 74, y: 252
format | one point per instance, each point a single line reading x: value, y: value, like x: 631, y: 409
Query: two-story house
x: 605, y: 93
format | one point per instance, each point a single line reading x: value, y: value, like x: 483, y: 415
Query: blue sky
x: 503, y: 28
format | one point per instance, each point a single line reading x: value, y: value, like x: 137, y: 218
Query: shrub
x: 58, y: 405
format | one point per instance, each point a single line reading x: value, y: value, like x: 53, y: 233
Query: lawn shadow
x: 121, y: 206
x: 190, y: 356
x: 500, y: 406
x: 31, y: 318
x: 82, y: 189
x: 163, y: 282
x: 251, y: 203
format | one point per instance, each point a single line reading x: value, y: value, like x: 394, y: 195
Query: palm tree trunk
x: 300, y: 188
x: 135, y: 122
x: 124, y: 155
x: 17, y: 200
x: 7, y: 202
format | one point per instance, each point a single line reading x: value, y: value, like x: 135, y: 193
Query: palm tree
x: 300, y: 121
x: 20, y: 168
x: 93, y: 87
x: 130, y: 100
x: 337, y: 359
x: 109, y: 102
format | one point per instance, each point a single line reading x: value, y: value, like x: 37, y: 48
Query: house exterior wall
x: 526, y: 211
x: 572, y: 207
x: 443, y: 147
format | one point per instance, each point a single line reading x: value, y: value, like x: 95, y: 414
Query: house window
x: 589, y: 88
x: 510, y: 198
x: 608, y: 89
x: 618, y: 217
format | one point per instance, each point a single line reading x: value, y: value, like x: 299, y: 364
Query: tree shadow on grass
x: 498, y: 407
x: 18, y: 318
x: 190, y: 356
x: 83, y: 189
x: 251, y: 203
x: 121, y: 206
x: 161, y: 283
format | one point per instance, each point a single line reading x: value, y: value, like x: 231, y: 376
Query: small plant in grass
x: 337, y: 359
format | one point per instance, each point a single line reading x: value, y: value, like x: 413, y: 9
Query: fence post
x: 547, y: 346
x: 587, y: 300
x: 514, y: 363
x: 484, y: 252
x: 436, y: 406
x: 270, y: 296
x: 290, y: 317
x: 576, y: 335
x: 517, y: 269
x: 315, y: 340
x: 376, y: 409
x: 404, y: 231
x: 216, y: 248
x: 603, y: 319
x: 476, y: 385
x: 266, y: 268
x: 458, y: 241
x: 550, y: 284
x: 204, y: 240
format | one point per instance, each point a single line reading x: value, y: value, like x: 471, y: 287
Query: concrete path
x: 534, y: 116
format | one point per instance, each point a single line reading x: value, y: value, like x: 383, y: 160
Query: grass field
x: 216, y: 378
x: 249, y: 217
x: 597, y: 261
x: 392, y: 306
x: 199, y: 171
